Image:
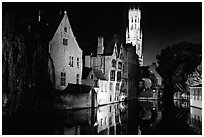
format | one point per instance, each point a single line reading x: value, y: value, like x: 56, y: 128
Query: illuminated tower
x: 134, y: 32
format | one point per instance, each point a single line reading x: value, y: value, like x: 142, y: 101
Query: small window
x: 77, y: 78
x: 65, y: 41
x: 63, y: 79
x: 92, y: 76
x: 119, y: 65
x: 118, y: 76
x: 65, y: 29
x: 105, y: 120
x: 114, y: 63
x: 110, y: 108
x: 111, y: 86
x: 77, y: 62
x: 101, y: 122
x: 71, y: 61
x: 117, y: 87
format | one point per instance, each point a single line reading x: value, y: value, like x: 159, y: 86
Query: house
x: 196, y: 96
x: 108, y: 61
x: 66, y: 55
x: 96, y: 79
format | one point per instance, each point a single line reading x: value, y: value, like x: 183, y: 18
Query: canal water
x: 132, y: 118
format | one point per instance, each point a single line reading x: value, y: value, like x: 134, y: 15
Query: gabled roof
x: 85, y: 72
x: 76, y: 89
x: 109, y: 48
x: 99, y: 74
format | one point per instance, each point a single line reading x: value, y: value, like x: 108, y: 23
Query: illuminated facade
x: 66, y: 55
x: 134, y: 32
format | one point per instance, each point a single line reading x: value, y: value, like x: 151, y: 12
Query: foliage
x: 176, y: 62
x: 24, y: 63
x: 195, y: 78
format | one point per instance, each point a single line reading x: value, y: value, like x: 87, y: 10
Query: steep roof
x: 85, y: 72
x: 108, y: 47
x: 76, y: 89
x: 99, y: 74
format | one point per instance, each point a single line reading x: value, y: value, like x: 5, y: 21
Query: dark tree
x: 175, y: 63
x: 25, y: 72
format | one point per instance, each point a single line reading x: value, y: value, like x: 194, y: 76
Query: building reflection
x: 132, y: 118
x: 150, y: 116
x: 196, y: 120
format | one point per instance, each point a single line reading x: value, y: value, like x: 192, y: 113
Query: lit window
x: 63, y: 79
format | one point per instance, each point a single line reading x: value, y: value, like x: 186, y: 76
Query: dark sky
x: 163, y: 24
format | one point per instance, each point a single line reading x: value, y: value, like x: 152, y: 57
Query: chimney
x: 100, y: 46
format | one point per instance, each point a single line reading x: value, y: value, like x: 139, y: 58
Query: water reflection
x: 195, y: 121
x: 132, y: 118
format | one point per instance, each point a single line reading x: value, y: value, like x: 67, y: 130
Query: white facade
x: 66, y: 55
x: 196, y: 97
x: 134, y: 32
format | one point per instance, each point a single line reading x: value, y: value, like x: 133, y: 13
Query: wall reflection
x: 132, y: 118
x: 196, y: 120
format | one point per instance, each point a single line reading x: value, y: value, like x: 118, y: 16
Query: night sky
x: 163, y: 24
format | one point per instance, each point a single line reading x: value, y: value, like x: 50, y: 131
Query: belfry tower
x: 134, y: 32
